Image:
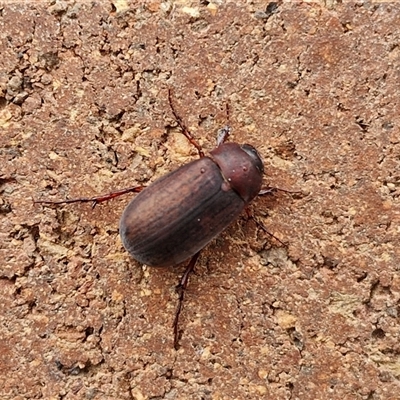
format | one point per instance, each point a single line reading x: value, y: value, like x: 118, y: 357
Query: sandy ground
x: 84, y: 110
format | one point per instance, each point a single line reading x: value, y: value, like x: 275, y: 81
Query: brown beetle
x: 177, y: 215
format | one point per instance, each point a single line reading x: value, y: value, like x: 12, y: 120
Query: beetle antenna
x: 184, y: 128
x: 225, y: 131
x: 223, y: 134
x: 181, y: 292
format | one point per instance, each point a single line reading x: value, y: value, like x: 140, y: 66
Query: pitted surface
x: 313, y: 86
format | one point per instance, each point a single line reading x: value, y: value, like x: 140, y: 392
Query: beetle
x: 181, y: 212
x: 176, y: 216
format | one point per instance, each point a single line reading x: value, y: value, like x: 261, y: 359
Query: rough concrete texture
x: 84, y: 110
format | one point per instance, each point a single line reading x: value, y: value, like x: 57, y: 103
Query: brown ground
x: 84, y: 110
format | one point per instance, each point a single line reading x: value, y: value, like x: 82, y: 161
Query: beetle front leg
x: 270, y: 190
x: 262, y: 226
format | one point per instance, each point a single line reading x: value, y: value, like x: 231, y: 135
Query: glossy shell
x: 181, y: 212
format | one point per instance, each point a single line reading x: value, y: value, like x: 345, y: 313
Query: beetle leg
x: 181, y: 292
x: 94, y: 200
x: 269, y: 190
x: 184, y: 128
x: 262, y: 226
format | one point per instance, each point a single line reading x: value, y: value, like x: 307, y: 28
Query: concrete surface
x: 84, y: 110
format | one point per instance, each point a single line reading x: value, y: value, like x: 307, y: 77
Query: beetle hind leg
x: 181, y: 292
x: 94, y: 200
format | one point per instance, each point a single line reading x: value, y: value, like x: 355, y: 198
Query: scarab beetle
x: 177, y: 215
